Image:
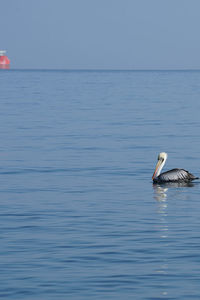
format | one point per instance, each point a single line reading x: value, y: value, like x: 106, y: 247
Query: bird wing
x: 176, y: 175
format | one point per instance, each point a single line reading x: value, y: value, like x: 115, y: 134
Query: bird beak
x: 156, y: 169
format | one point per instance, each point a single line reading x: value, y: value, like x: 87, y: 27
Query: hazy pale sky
x: 101, y: 34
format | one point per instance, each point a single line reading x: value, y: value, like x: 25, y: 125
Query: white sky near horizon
x: 101, y: 34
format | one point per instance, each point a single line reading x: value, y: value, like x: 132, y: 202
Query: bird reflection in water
x: 161, y: 192
x: 160, y: 195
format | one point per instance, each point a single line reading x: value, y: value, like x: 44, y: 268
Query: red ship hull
x: 4, y: 62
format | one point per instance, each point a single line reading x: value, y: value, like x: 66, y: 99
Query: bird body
x: 174, y: 175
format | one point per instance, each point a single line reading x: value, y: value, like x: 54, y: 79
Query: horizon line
x: 102, y: 69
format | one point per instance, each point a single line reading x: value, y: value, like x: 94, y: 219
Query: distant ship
x: 4, y: 60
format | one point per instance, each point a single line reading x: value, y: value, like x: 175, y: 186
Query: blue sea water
x: 79, y: 216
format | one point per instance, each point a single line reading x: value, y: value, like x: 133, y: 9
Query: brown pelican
x: 174, y: 175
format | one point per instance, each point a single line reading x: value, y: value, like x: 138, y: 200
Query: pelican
x: 174, y: 175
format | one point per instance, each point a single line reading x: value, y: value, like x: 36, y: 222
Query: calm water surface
x: 79, y: 216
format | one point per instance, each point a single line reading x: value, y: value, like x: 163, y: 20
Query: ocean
x: 79, y: 216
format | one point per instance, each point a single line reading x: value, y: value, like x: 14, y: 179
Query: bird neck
x: 160, y: 168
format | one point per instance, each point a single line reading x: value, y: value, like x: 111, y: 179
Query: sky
x: 101, y: 34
